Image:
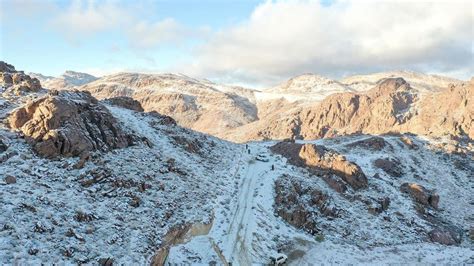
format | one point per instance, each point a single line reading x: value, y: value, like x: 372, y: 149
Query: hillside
x: 68, y: 80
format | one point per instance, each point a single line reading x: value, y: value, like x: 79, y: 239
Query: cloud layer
x: 282, y: 39
x: 278, y: 40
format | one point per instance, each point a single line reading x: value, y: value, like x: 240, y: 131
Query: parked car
x: 262, y: 158
x: 278, y: 259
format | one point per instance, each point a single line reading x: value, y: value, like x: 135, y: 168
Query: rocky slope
x: 83, y: 181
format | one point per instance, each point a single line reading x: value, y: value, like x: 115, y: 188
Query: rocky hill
x: 68, y: 80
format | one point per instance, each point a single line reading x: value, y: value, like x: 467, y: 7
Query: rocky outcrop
x: 372, y: 143
x: 390, y: 166
x: 69, y: 124
x: 445, y: 236
x: 125, y: 102
x: 421, y: 195
x: 3, y: 146
x: 320, y: 157
x: 295, y: 204
x: 324, y: 161
x: 5, y: 67
x: 17, y: 82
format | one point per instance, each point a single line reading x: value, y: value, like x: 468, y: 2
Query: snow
x: 246, y: 231
x: 39, y: 210
x: 223, y: 186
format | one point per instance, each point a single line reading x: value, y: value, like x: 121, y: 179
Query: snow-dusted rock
x: 69, y: 124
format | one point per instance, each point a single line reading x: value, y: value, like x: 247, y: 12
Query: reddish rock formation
x: 420, y: 194
x: 323, y: 161
x: 17, y: 82
x: 69, y: 124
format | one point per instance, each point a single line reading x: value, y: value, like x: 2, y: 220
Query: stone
x: 390, y: 166
x: 125, y: 102
x: 421, y: 195
x: 323, y: 158
x: 445, y: 236
x: 10, y: 179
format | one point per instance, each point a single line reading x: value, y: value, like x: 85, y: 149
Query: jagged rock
x: 17, y: 82
x: 10, y: 179
x: 69, y: 124
x: 420, y: 194
x: 5, y: 67
x: 164, y: 119
x: 125, y: 102
x: 371, y: 143
x: 323, y: 162
x: 383, y: 205
x: 321, y: 157
x: 295, y: 204
x: 445, y: 236
x: 390, y: 166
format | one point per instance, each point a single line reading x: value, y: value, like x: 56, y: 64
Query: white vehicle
x: 262, y: 158
x: 278, y: 259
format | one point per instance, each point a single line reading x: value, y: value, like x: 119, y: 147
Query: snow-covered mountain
x: 68, y: 80
x: 193, y: 103
x: 420, y: 81
x: 382, y: 176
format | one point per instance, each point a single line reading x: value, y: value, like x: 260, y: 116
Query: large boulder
x: 390, y: 166
x: 326, y: 159
x: 68, y: 123
x: 125, y: 102
x: 445, y: 236
x: 420, y: 194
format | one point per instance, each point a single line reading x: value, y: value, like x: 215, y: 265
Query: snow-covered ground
x: 247, y: 231
x: 119, y: 205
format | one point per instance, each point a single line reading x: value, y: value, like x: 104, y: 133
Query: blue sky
x: 252, y: 42
x: 30, y: 42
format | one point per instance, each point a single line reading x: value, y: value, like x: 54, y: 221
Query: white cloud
x: 149, y: 35
x: 281, y: 39
x: 84, y: 19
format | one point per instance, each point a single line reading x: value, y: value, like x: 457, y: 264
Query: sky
x: 251, y: 42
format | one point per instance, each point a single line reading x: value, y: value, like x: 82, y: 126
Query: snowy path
x: 230, y: 239
x: 240, y: 228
